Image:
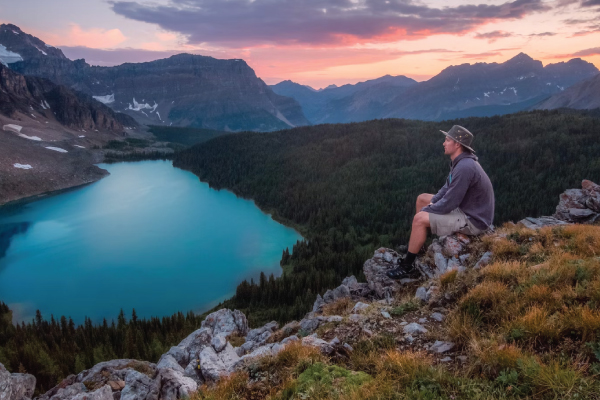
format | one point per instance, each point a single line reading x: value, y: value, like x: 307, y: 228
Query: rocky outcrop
x: 15, y: 386
x: 580, y: 205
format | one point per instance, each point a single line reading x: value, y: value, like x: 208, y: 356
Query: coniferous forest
x: 349, y: 189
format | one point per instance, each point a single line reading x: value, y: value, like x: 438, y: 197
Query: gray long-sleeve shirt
x: 468, y: 188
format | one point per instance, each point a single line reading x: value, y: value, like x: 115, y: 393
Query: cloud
x: 479, y: 56
x: 594, y: 51
x: 93, y: 37
x: 543, y: 34
x: 243, y: 23
x: 589, y: 31
x: 590, y: 3
x: 493, y: 36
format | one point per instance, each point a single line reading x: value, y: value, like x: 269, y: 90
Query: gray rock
x: 438, y: 316
x: 290, y: 339
x: 211, y: 365
x: 309, y: 325
x: 219, y: 342
x: 453, y: 264
x: 139, y: 387
x: 328, y: 296
x: 409, y: 338
x: 23, y: 385
x: 196, y: 342
x: 358, y: 307
x: 463, y: 258
x: 335, y: 341
x: 104, y: 393
x: 5, y: 384
x: 446, y: 359
x: 441, y: 263
x: 229, y: 356
x: 323, y: 346
x: 69, y: 391
x: 375, y: 270
x: 174, y: 385
x: 422, y: 320
x: 113, y: 370
x: 414, y: 328
x: 441, y: 347
x: 577, y: 214
x: 318, y: 304
x: 167, y: 361
x: 227, y: 322
x: 485, y: 259
x: 348, y: 347
x: 192, y: 371
x: 403, y: 323
x: 255, y: 334
x: 452, y: 246
x: 180, y: 355
x: 350, y: 282
x: 386, y: 314
x: 341, y: 292
x: 421, y: 294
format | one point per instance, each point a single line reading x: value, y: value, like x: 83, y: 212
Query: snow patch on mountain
x: 107, y: 99
x: 37, y: 139
x: 22, y: 166
x: 57, y: 149
x: 12, y: 128
x: 142, y: 106
x: 8, y: 57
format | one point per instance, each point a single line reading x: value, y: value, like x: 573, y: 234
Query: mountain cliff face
x: 584, y: 95
x: 25, y: 94
x: 183, y: 90
x: 458, y: 91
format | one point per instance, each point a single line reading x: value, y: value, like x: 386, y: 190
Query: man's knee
x: 421, y: 219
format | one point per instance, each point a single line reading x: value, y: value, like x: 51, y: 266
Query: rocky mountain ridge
x: 224, y: 343
x: 480, y: 89
x: 584, y: 95
x: 183, y: 90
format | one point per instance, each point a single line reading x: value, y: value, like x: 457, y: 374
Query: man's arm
x: 455, y: 192
x: 440, y: 193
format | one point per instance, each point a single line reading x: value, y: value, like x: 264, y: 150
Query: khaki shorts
x: 455, y: 221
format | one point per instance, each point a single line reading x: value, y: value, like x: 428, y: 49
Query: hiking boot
x: 404, y: 271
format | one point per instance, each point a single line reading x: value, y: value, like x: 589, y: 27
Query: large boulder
x: 139, y: 387
x: 103, y: 393
x: 5, y: 384
x: 167, y: 361
x: 23, y: 386
x: 580, y: 205
x: 174, y: 385
x: 375, y: 270
x: 226, y: 321
x: 196, y: 341
x: 15, y: 386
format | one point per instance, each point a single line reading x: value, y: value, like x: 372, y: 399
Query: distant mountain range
x: 584, y: 95
x: 480, y: 89
x: 347, y: 103
x: 197, y: 91
x: 183, y: 90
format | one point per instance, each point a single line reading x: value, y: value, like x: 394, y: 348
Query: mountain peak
x: 520, y: 58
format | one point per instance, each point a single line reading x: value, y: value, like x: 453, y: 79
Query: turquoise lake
x: 149, y: 236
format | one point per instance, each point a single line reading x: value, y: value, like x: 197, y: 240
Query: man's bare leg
x: 423, y: 200
x: 418, y: 234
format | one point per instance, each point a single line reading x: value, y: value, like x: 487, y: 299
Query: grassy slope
x: 528, y: 324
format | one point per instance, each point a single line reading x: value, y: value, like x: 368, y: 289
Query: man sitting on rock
x: 464, y: 204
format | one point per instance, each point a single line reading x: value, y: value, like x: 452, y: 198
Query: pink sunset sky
x: 316, y: 42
